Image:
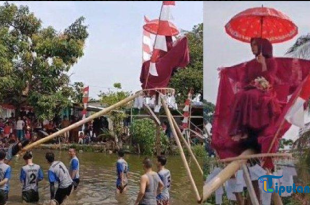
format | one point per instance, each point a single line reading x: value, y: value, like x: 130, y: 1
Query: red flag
x: 295, y: 114
x: 169, y: 3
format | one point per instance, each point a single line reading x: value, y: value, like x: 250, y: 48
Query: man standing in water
x: 30, y: 175
x: 164, y: 175
x: 58, y: 173
x: 122, y: 173
x: 74, y: 168
x: 150, y: 185
x: 5, y: 176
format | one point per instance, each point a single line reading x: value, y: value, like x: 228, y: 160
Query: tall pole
x: 164, y: 103
x: 81, y: 122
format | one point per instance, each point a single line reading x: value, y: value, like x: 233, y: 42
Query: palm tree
x: 301, y: 48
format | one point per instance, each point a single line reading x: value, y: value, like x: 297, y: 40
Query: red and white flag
x: 146, y: 44
x: 160, y: 40
x: 295, y: 114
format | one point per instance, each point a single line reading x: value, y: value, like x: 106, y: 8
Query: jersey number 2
x: 32, y: 178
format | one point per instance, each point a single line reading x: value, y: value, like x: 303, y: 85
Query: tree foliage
x: 111, y: 97
x: 208, y: 111
x: 144, y: 133
x: 191, y: 77
x: 301, y: 48
x: 37, y: 59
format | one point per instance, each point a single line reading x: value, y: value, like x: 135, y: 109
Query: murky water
x: 98, y: 178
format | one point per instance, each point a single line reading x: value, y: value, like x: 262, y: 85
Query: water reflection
x: 98, y: 179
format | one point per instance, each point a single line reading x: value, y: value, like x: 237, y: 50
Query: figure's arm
x: 143, y: 181
x: 22, y: 176
x: 40, y: 177
x: 52, y: 180
x: 74, y: 167
x: 270, y: 70
x: 7, y: 176
x: 160, y: 186
x: 120, y: 172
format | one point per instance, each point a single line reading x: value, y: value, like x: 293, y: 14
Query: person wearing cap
x: 30, y: 175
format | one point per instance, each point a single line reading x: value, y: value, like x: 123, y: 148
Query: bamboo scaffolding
x: 186, y: 144
x: 181, y: 149
x: 224, y: 175
x: 79, y: 123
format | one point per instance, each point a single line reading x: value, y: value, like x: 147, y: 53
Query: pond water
x: 98, y: 178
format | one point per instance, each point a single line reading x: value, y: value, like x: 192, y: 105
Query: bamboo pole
x: 224, y: 175
x: 257, y: 156
x: 187, y: 146
x: 81, y: 122
x: 181, y: 149
x: 249, y: 185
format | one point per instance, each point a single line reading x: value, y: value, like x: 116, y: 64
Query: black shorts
x: 121, y: 189
x: 3, y: 197
x: 62, y: 193
x: 30, y: 196
x: 76, y: 183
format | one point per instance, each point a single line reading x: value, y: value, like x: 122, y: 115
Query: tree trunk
x: 158, y: 150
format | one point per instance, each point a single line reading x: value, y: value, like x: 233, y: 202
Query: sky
x: 113, y: 51
x: 220, y: 50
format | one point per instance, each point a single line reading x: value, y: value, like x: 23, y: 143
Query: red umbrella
x: 166, y: 28
x: 261, y: 22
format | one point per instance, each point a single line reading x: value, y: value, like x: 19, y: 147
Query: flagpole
x: 159, y: 18
x: 283, y: 121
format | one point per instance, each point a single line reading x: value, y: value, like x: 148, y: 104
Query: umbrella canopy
x: 261, y: 22
x: 166, y: 28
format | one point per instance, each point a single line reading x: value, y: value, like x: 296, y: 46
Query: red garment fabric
x: 176, y: 57
x: 286, y: 76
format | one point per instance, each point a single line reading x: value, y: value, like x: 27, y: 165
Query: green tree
x: 191, y: 77
x: 301, y: 48
x: 144, y: 134
x: 37, y: 59
x: 117, y: 116
x: 208, y: 111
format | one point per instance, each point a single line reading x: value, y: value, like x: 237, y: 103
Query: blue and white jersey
x: 165, y: 177
x: 5, y: 173
x: 30, y: 175
x: 75, y: 166
x: 121, y: 167
x: 58, y: 172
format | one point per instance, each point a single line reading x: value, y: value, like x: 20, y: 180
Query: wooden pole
x: 249, y: 185
x: 181, y: 149
x: 81, y: 122
x: 287, y: 155
x: 186, y: 144
x: 224, y: 175
x: 157, y: 121
x: 158, y: 147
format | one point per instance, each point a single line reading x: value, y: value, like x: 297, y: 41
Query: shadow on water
x: 98, y: 179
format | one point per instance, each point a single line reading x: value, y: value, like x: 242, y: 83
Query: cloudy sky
x: 221, y: 50
x: 113, y: 50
